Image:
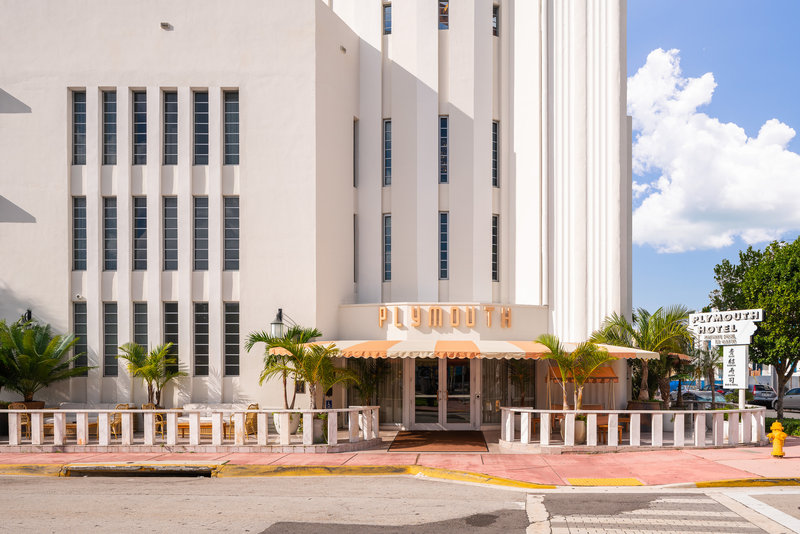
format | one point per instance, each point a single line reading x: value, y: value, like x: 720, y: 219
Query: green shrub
x: 733, y: 396
x: 790, y: 426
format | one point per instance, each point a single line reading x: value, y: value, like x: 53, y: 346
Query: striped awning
x: 454, y: 348
x: 601, y: 375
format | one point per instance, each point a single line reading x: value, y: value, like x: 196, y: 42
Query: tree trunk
x: 663, y: 386
x: 158, y: 397
x: 312, y: 393
x: 28, y: 397
x: 644, y: 392
x: 285, y: 395
x: 679, y: 402
x: 783, y: 377
x: 565, y: 402
x: 150, y: 392
x: 713, y: 389
x: 578, y: 397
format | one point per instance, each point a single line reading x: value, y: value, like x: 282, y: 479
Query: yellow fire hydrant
x: 777, y: 437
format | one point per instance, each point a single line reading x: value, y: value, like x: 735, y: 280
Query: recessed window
x: 140, y: 323
x: 200, y: 233
x: 139, y: 128
x: 495, y: 132
x: 170, y: 233
x: 200, y: 128
x: 496, y: 20
x: 231, y: 252
x: 78, y: 233
x: 170, y: 128
x: 387, y: 247
x: 79, y: 327
x: 109, y: 127
x: 139, y: 233
x: 231, y: 99
x: 387, y: 19
x: 110, y: 233
x: 444, y: 14
x: 201, y: 338
x: 171, y: 331
x: 79, y: 128
x: 355, y: 152
x: 110, y: 339
x: 495, y: 248
x: 231, y: 339
x: 387, y: 152
x: 444, y: 240
x: 444, y: 128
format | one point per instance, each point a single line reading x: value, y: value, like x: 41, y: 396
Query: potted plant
x: 577, y: 366
x: 155, y: 368
x: 278, y: 363
x: 33, y: 358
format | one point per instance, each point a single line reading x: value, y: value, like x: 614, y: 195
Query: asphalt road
x: 361, y: 505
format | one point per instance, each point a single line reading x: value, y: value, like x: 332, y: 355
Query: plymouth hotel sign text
x: 435, y: 316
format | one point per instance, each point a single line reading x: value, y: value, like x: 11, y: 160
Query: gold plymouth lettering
x: 434, y: 316
x: 505, y: 317
x: 382, y: 315
x: 455, y: 316
x: 416, y: 316
x: 470, y: 316
x: 397, y: 322
x: 488, y: 310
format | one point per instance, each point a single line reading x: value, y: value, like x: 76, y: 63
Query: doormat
x: 439, y: 441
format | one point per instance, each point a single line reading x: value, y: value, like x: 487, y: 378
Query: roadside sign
x: 734, y: 327
x: 735, y: 367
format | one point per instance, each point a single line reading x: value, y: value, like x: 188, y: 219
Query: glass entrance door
x: 443, y: 394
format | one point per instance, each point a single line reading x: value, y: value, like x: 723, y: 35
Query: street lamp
x: 277, y: 326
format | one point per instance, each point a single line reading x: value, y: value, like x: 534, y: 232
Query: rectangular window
x: 79, y: 328
x: 443, y: 245
x: 231, y: 252
x: 139, y: 233
x: 387, y: 19
x: 200, y: 128
x: 387, y: 248
x: 109, y: 127
x: 355, y: 152
x: 78, y: 128
x: 171, y: 330
x: 201, y: 338
x: 170, y: 128
x: 387, y: 152
x: 231, y: 339
x: 78, y: 233
x: 200, y: 233
x: 231, y: 127
x: 444, y: 14
x: 170, y: 233
x: 443, y: 141
x: 495, y: 179
x: 495, y: 20
x: 355, y: 248
x: 110, y: 233
x: 495, y: 245
x: 139, y: 128
x: 140, y: 323
x: 110, y: 339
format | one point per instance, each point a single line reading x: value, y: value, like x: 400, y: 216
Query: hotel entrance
x: 445, y: 393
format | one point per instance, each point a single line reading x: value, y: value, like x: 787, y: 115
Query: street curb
x: 229, y: 470
x: 36, y: 470
x: 749, y: 483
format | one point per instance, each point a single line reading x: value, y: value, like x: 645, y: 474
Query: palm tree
x: 313, y: 364
x: 154, y: 368
x: 280, y: 364
x: 33, y: 358
x: 704, y: 363
x: 578, y: 364
x: 664, y: 331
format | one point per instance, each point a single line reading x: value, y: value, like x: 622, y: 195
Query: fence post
x: 525, y: 427
x: 636, y: 429
x: 352, y: 425
x: 239, y: 432
x: 59, y: 428
x: 149, y: 428
x: 14, y: 428
x: 333, y: 427
x: 172, y: 428
x: 591, y: 430
x: 613, y: 430
x: 37, y: 429
x: 82, y: 427
x: 699, y: 430
x: 127, y: 428
x: 508, y: 425
x: 262, y: 424
x: 103, y: 431
x: 657, y: 429
x: 569, y: 429
x: 194, y: 428
x: 678, y: 437
x: 544, y: 429
x: 375, y: 423
x: 283, y: 419
x: 216, y: 428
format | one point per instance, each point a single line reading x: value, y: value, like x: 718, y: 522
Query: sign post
x: 733, y: 330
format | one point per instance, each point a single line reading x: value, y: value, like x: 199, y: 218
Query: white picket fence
x: 92, y: 427
x: 743, y: 426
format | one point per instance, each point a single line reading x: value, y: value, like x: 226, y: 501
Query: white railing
x: 616, y: 428
x: 104, y: 427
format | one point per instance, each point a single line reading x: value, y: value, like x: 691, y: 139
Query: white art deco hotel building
x: 437, y: 182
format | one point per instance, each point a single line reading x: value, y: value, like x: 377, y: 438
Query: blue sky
x: 751, y: 48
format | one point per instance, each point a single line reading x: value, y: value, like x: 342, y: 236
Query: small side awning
x: 453, y: 348
x: 601, y: 375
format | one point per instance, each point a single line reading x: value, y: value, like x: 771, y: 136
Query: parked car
x: 791, y: 400
x: 763, y: 395
x: 719, y: 389
x: 702, y: 398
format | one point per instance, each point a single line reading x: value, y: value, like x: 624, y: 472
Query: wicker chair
x: 116, y: 420
x: 25, y: 418
x: 250, y: 421
x: 161, y: 423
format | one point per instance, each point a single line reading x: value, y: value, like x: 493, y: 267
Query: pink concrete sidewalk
x: 650, y: 467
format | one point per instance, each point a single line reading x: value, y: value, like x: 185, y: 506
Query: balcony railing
x: 624, y: 428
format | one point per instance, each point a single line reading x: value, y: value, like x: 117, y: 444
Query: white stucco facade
x: 316, y: 80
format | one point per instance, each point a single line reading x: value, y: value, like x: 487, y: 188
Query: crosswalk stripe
x: 673, y: 513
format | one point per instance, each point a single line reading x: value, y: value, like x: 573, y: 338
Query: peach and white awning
x: 454, y: 348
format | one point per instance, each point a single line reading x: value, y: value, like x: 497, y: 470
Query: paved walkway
x: 647, y: 467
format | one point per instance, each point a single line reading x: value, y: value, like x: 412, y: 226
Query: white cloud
x: 715, y: 182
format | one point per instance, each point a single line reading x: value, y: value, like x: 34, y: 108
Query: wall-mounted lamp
x: 27, y: 316
x: 278, y: 325
x: 167, y: 26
